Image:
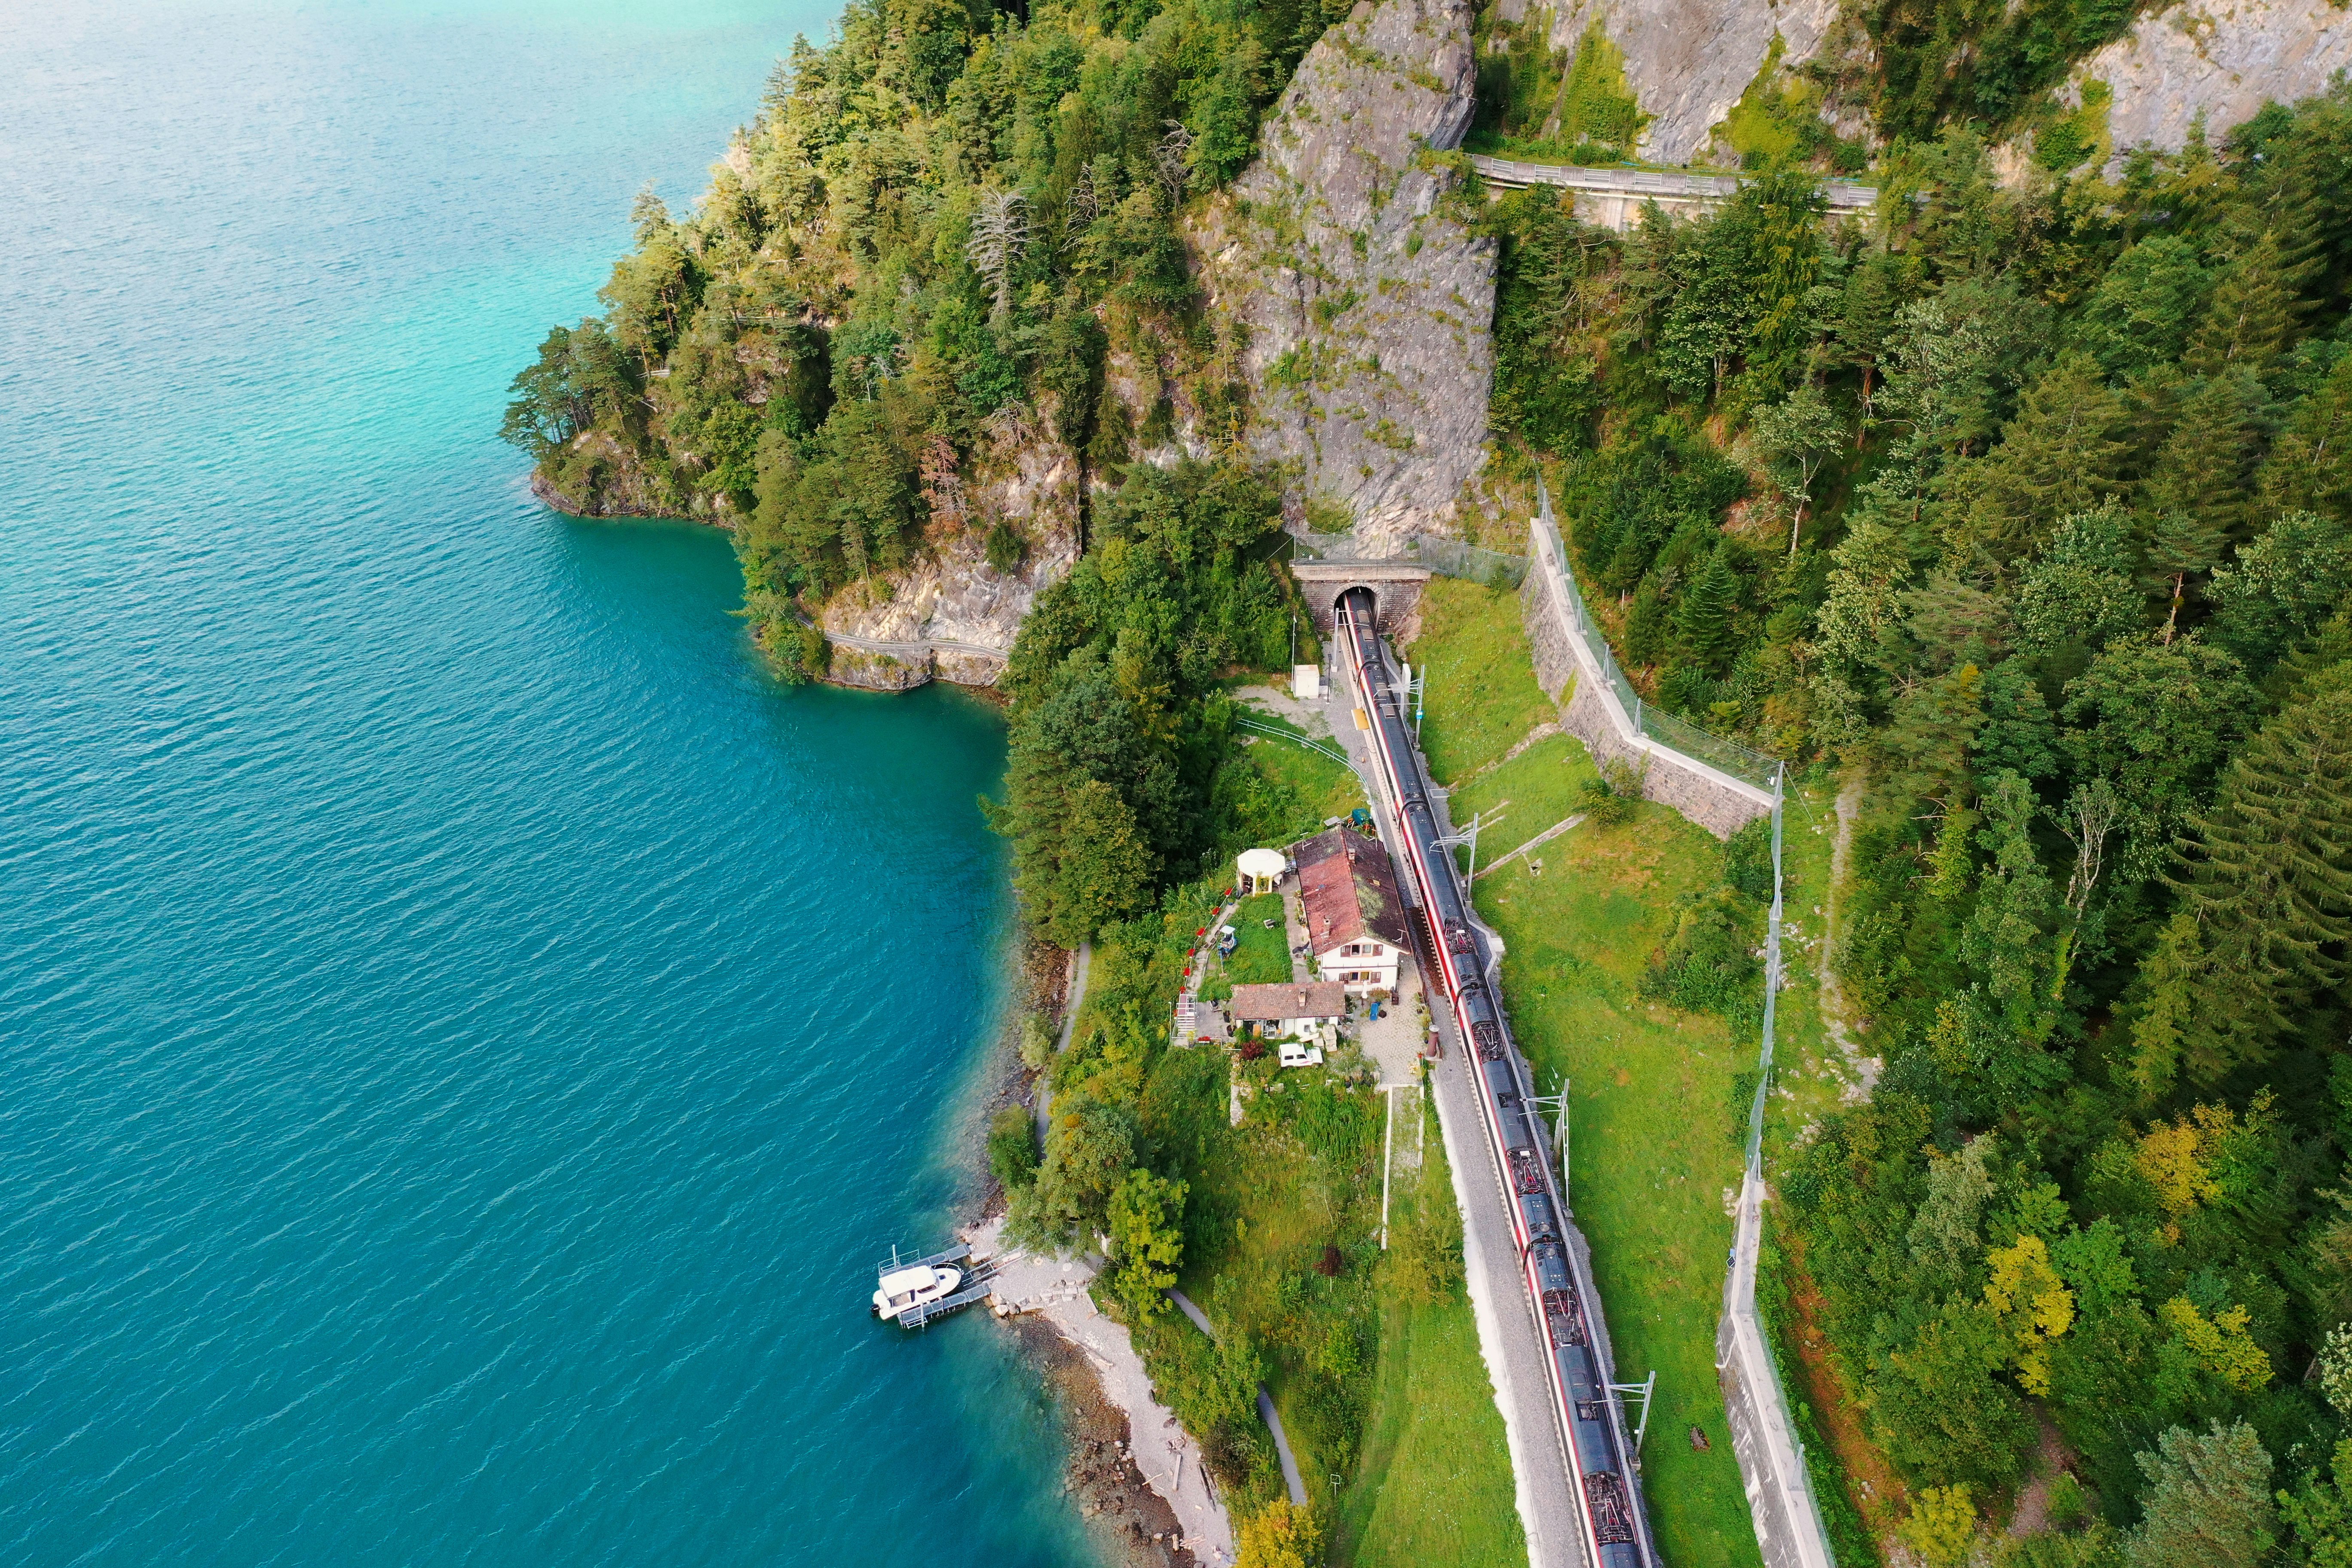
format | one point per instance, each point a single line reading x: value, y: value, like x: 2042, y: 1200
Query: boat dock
x: 979, y: 1277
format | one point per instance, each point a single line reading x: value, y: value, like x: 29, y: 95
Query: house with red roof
x: 1355, y: 917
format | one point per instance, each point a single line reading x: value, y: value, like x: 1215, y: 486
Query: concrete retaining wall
x: 1396, y: 588
x: 1564, y: 666
x: 1771, y: 1461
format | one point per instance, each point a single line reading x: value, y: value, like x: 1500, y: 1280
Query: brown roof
x: 1272, y: 1004
x: 1346, y: 889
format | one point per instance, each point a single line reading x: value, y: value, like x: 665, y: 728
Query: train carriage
x: 1608, y: 1491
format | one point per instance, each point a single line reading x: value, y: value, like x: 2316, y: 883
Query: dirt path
x: 1863, y: 1069
x: 1077, y: 994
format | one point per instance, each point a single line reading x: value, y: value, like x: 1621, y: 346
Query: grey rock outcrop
x: 950, y: 614
x: 2218, y: 57
x: 1365, y: 300
x: 1688, y: 62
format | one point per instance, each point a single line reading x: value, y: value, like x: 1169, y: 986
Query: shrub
x: 1013, y: 1147
x: 1006, y: 548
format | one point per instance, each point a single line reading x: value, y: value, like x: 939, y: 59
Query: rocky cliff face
x: 1365, y: 300
x: 1688, y: 61
x: 2218, y: 57
x: 951, y: 616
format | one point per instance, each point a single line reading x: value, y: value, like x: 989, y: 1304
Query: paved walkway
x: 912, y: 649
x: 1266, y: 1413
x: 1069, y: 1022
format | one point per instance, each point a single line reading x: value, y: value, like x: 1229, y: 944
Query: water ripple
x: 463, y: 1028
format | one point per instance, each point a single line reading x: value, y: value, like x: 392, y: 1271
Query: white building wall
x: 1382, y: 964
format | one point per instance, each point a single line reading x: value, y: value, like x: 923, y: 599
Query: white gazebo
x: 1260, y: 869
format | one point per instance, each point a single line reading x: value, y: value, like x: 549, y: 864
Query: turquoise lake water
x: 465, y: 1031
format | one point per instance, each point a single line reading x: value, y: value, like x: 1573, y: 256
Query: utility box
x: 1307, y: 682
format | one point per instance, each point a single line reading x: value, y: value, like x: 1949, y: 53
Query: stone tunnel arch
x: 1395, y: 587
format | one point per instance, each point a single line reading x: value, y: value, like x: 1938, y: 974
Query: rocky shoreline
x: 1132, y: 1469
x: 1135, y: 1525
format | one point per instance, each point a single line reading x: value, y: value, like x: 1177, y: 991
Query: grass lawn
x: 1434, y: 1485
x: 1261, y: 957
x: 1271, y: 790
x: 1300, y: 1174
x: 1541, y: 784
x: 1654, y: 1138
x: 1328, y: 788
x: 1482, y: 697
x: 1386, y: 1402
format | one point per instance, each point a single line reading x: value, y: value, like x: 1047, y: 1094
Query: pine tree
x: 2062, y: 453
x: 2311, y: 466
x: 2141, y: 311
x: 1872, y: 292
x: 2005, y: 941
x: 2205, y: 469
x: 2168, y: 1026
x: 1645, y: 628
x: 2271, y: 875
x: 2208, y: 1502
x: 2251, y: 317
x: 1703, y: 617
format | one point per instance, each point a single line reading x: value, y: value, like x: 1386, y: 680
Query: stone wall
x: 1721, y: 805
x: 1396, y: 587
x: 1788, y: 1531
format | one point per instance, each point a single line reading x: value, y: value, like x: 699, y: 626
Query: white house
x: 1308, y: 1010
x: 1355, y: 917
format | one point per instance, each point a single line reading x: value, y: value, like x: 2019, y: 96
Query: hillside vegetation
x: 2028, y: 509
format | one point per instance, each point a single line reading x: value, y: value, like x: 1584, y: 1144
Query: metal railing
x: 1254, y: 726
x: 1718, y: 752
x: 1787, y: 1508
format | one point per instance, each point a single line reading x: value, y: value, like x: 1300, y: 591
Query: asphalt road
x: 1843, y: 196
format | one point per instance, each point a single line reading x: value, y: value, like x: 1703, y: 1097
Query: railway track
x: 1559, y: 1297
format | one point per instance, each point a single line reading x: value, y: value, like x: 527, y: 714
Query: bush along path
x: 1266, y: 1413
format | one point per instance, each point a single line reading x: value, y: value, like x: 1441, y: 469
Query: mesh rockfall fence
x: 1474, y: 563
x: 1718, y: 752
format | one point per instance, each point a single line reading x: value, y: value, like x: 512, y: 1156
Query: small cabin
x: 1293, y: 1010
x: 1354, y: 914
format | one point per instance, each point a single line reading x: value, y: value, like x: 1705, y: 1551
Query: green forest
x: 2028, y: 512
x: 2024, y: 512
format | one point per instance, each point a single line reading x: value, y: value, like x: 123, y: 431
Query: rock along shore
x: 1135, y: 1470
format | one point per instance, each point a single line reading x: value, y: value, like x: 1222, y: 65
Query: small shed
x: 1261, y: 869
x: 1307, y: 682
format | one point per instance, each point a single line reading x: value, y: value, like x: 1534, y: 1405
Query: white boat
x: 915, y: 1286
